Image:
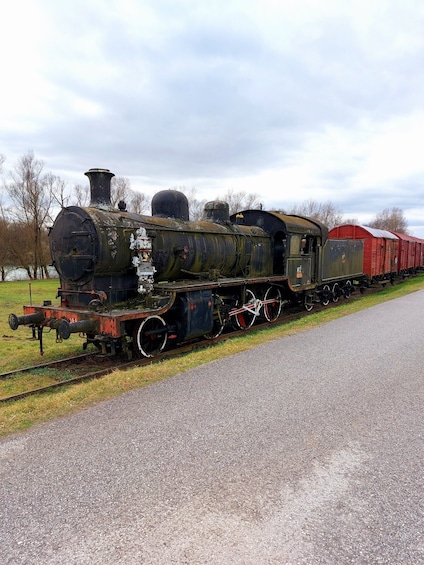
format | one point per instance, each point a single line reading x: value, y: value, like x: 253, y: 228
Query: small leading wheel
x: 326, y: 295
x: 150, y: 336
x: 246, y: 314
x: 308, y: 303
x: 272, y: 303
x: 336, y: 291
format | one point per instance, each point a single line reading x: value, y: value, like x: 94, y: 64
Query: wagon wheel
x: 150, y: 336
x: 336, y: 295
x: 218, y: 318
x: 348, y: 289
x: 326, y: 295
x: 272, y: 303
x: 246, y: 314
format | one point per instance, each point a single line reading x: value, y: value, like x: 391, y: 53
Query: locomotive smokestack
x: 100, y: 180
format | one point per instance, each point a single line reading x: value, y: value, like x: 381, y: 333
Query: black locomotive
x: 132, y: 283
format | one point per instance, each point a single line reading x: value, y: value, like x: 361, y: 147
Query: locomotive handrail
x: 194, y: 285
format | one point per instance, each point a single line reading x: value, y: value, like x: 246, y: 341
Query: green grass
x: 17, y: 349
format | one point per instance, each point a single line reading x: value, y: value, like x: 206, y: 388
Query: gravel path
x: 306, y: 450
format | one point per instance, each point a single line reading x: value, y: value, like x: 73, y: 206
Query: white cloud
x: 394, y: 150
x: 292, y: 99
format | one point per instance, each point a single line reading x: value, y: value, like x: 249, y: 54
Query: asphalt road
x: 306, y: 450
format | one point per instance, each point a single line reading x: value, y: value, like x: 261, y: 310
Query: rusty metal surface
x: 94, y: 248
x: 205, y: 247
x: 106, y: 323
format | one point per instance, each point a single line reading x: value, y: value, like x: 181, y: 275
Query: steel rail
x: 48, y: 364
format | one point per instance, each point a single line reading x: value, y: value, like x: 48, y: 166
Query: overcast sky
x: 290, y: 99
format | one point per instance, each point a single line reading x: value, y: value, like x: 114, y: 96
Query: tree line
x: 30, y: 198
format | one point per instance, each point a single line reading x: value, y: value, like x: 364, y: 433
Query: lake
x: 18, y: 274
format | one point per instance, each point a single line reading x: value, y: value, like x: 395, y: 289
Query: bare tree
x: 196, y: 209
x: 236, y: 201
x: 4, y: 224
x: 120, y: 190
x: 20, y: 238
x: 6, y: 256
x: 391, y: 219
x: 139, y: 203
x: 195, y: 206
x: 242, y: 200
x: 325, y: 212
x: 81, y: 196
x: 31, y: 196
x: 57, y: 187
x: 354, y: 221
x: 4, y: 250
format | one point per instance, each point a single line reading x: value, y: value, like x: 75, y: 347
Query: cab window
x: 295, y: 242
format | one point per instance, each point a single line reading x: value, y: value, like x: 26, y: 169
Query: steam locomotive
x: 133, y: 284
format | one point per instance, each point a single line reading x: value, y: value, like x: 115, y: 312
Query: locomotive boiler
x: 132, y: 283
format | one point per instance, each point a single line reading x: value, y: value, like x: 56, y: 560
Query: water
x: 19, y: 274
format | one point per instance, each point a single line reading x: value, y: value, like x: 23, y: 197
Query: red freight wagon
x: 419, y: 253
x: 380, y: 249
x: 406, y: 253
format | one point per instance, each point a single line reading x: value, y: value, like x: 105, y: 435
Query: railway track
x: 87, y: 364
x: 58, y: 372
x: 113, y: 364
x: 58, y: 364
x: 80, y: 363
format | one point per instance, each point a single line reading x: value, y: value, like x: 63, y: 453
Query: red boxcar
x: 419, y: 253
x: 380, y: 249
x: 406, y: 253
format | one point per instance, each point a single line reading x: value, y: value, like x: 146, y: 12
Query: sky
x: 288, y: 99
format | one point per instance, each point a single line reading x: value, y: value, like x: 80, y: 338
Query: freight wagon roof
x: 404, y: 236
x: 380, y: 233
x: 357, y: 228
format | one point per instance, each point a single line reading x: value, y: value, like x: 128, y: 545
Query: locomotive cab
x: 297, y: 244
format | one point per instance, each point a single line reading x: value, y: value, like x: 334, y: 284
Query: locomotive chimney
x: 100, y: 180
